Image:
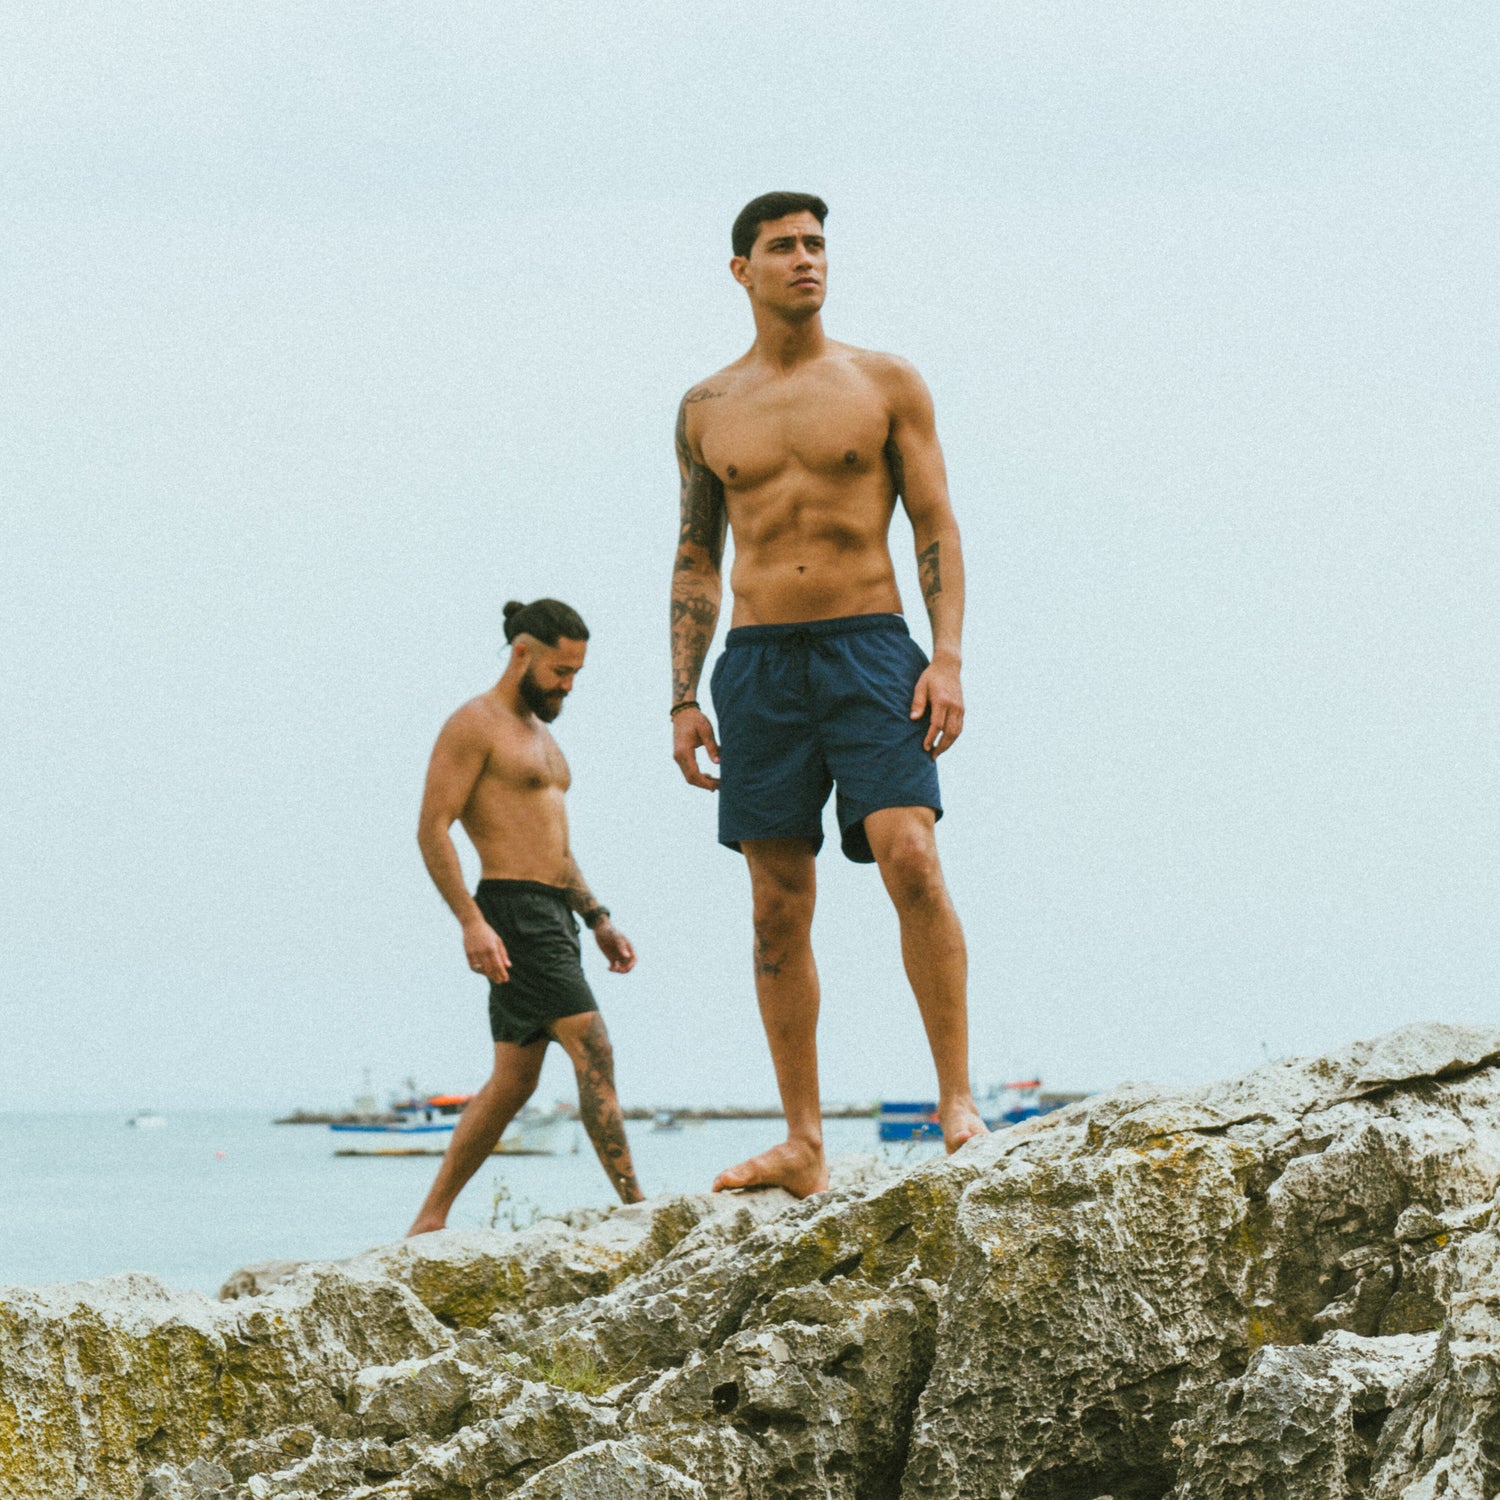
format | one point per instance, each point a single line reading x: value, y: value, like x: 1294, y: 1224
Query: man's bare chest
x: 833, y: 429
x: 522, y: 762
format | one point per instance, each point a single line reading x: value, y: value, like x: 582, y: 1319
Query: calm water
x: 84, y: 1195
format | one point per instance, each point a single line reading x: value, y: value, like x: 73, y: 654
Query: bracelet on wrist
x: 594, y: 916
x: 677, y: 708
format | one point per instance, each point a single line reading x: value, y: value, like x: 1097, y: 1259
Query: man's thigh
x: 518, y: 1065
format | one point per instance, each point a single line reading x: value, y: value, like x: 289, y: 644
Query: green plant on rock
x: 573, y: 1369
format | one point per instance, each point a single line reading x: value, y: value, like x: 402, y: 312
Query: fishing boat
x: 434, y: 1116
x: 1000, y: 1105
x: 423, y: 1127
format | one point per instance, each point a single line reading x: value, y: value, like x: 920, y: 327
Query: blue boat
x: 1003, y: 1104
x: 434, y: 1116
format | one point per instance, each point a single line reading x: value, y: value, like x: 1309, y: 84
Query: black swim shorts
x: 540, y: 934
x: 803, y: 708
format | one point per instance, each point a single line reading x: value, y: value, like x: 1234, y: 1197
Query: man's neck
x: 784, y: 344
x: 507, y: 695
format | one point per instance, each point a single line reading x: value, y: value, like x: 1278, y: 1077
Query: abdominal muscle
x: 797, y: 561
x: 520, y: 834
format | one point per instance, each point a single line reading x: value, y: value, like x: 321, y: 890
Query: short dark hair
x: 772, y: 206
x: 546, y: 619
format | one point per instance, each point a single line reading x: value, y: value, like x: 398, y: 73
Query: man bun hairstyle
x: 772, y: 206
x: 548, y: 620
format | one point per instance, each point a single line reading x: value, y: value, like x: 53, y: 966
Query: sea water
x: 84, y: 1195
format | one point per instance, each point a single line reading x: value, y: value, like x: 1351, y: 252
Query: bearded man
x: 497, y: 770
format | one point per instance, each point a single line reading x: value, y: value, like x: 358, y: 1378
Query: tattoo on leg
x: 767, y: 960
x: 599, y: 1110
x: 929, y: 570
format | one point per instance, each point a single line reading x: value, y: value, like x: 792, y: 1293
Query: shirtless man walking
x: 801, y: 448
x: 497, y: 769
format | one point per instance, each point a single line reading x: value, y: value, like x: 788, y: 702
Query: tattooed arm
x: 921, y: 482
x: 613, y: 943
x: 697, y: 589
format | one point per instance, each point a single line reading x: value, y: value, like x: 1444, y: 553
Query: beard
x: 546, y: 706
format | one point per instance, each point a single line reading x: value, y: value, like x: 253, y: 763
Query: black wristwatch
x: 594, y: 916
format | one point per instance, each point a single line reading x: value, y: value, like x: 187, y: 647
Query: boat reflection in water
x: 423, y: 1127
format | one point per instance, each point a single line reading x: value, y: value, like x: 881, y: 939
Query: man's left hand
x: 615, y: 946
x: 940, y: 697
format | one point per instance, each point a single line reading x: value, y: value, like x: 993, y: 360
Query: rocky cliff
x: 1287, y: 1285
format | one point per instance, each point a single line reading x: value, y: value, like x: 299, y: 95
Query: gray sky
x: 329, y: 327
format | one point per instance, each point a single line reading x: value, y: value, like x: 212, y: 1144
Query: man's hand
x: 690, y: 730
x: 615, y: 946
x: 485, y: 952
x: 939, y: 695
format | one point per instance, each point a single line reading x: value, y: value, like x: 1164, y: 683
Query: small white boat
x: 665, y: 1119
x: 146, y: 1119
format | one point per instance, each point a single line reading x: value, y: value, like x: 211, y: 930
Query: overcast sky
x: 329, y: 327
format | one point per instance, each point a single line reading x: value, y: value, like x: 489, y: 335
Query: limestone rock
x: 420, y: 1397
x: 493, y: 1456
x: 715, y: 1283
x: 104, y: 1381
x: 1303, y: 1420
x: 257, y: 1279
x: 465, y: 1276
x: 817, y: 1408
x: 1446, y: 1440
x: 610, y: 1471
x: 1128, y: 1256
x: 1281, y: 1287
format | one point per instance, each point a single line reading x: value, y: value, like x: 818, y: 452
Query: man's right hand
x: 690, y: 731
x: 485, y: 952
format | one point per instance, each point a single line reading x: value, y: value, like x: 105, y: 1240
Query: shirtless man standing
x: 801, y: 448
x: 497, y: 769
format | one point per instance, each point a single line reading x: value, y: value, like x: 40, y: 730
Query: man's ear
x: 739, y: 268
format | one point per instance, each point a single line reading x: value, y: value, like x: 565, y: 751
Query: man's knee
x: 517, y: 1071
x: 782, y: 911
x: 587, y: 1045
x: 911, y: 869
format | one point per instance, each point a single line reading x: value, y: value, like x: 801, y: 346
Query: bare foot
x: 796, y: 1167
x: 961, y: 1122
x: 425, y: 1224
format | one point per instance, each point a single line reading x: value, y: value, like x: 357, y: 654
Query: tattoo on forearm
x: 929, y: 570
x: 693, y: 619
x: 896, y: 464
x: 599, y: 1109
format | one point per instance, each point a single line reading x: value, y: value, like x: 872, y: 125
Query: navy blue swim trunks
x: 805, y: 708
